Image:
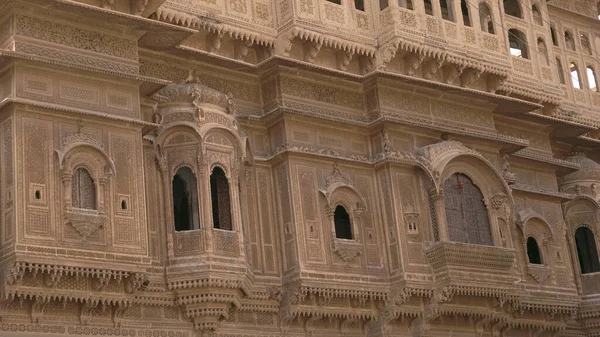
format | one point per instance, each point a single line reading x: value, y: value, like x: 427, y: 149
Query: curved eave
x: 562, y: 166
x: 551, y: 194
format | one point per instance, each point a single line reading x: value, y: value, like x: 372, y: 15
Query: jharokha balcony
x: 454, y: 263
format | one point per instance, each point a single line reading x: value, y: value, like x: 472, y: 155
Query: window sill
x: 447, y: 254
x: 348, y: 250
x: 85, y: 221
x: 539, y: 272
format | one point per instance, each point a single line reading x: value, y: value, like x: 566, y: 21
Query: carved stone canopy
x: 589, y: 171
x: 190, y: 91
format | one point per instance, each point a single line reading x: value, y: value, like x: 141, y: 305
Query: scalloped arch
x: 62, y: 154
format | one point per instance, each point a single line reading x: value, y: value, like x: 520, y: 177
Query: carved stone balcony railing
x: 454, y: 263
x: 187, y: 243
x: 590, y: 283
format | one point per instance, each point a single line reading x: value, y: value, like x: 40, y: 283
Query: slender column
x: 439, y: 209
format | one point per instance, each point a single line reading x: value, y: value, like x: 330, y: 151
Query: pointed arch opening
x: 185, y: 200
x: 587, y: 252
x: 221, y: 200
x: 518, y: 43
x: 513, y: 8
x: 542, y: 51
x: 343, y: 225
x: 464, y: 8
x: 466, y: 213
x: 533, y: 251
x: 585, y: 43
x: 486, y: 18
x: 537, y: 15
x: 83, y: 189
x: 575, y: 78
x: 569, y: 41
x: 553, y: 35
x: 428, y: 7
x: 591, y: 77
x: 561, y: 71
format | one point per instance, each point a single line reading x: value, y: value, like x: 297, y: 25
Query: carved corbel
x: 135, y: 282
x: 160, y: 159
x: 493, y: 83
x: 15, y: 274
x: 412, y: 62
x: 345, y: 325
x: 387, y: 54
x: 432, y: 67
x: 311, y: 50
x: 499, y: 329
x: 100, y: 282
x: 118, y: 311
x: 509, y: 176
x: 451, y: 73
x: 419, y: 326
x: 52, y: 278
x: 213, y: 42
x: 343, y: 59
x: 85, y: 310
x: 309, y: 324
x: 481, y: 325
x: 241, y: 49
x: 138, y: 6
x: 470, y: 76
x: 37, y: 309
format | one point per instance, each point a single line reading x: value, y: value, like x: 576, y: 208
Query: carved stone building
x: 246, y: 168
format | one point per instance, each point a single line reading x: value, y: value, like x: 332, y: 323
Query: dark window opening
x: 359, y: 4
x: 586, y: 251
x: 343, y: 227
x: 339, y: 2
x: 221, y: 202
x: 185, y: 200
x: 512, y: 8
x: 123, y: 204
x: 533, y: 251
x: 383, y: 4
x: 537, y: 16
x: 37, y: 195
x: 428, y: 7
x: 464, y: 8
x: 446, y: 6
x: 405, y: 4
x: 83, y: 190
x: 569, y: 41
x: 466, y: 214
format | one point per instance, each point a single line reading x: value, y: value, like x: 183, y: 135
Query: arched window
x: 486, y: 19
x: 447, y: 13
x: 575, y: 76
x: 542, y: 51
x: 591, y: 76
x: 383, y: 4
x: 221, y: 202
x: 561, y: 71
x: 185, y: 200
x: 466, y: 214
x: 537, y: 15
x: 569, y: 41
x: 428, y: 7
x: 518, y: 43
x: 533, y: 251
x: 83, y: 189
x: 464, y: 8
x: 343, y: 226
x: 553, y: 34
x: 513, y: 8
x: 585, y: 43
x: 586, y: 250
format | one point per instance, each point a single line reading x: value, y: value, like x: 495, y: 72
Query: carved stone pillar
x: 439, y: 209
x: 102, y: 193
x: 236, y: 216
x: 168, y: 202
x: 206, y: 225
x: 66, y: 178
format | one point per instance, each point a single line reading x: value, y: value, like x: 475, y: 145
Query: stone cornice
x: 554, y: 194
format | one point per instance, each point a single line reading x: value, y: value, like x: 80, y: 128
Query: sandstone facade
x: 245, y: 168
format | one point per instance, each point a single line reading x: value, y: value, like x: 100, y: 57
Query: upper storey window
x: 585, y: 44
x: 428, y: 7
x: 343, y: 226
x: 446, y: 7
x: 512, y: 8
x: 587, y: 251
x: 221, y: 202
x: 533, y: 251
x: 553, y: 34
x: 464, y: 8
x: 537, y: 15
x: 466, y: 213
x: 359, y: 5
x: 185, y: 200
x: 542, y: 51
x: 83, y: 190
x: 591, y: 76
x: 486, y: 19
x: 518, y: 43
x: 575, y: 75
x: 569, y: 41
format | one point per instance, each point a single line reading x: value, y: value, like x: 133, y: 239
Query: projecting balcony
x: 455, y: 263
x: 468, y: 51
x: 590, y: 283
